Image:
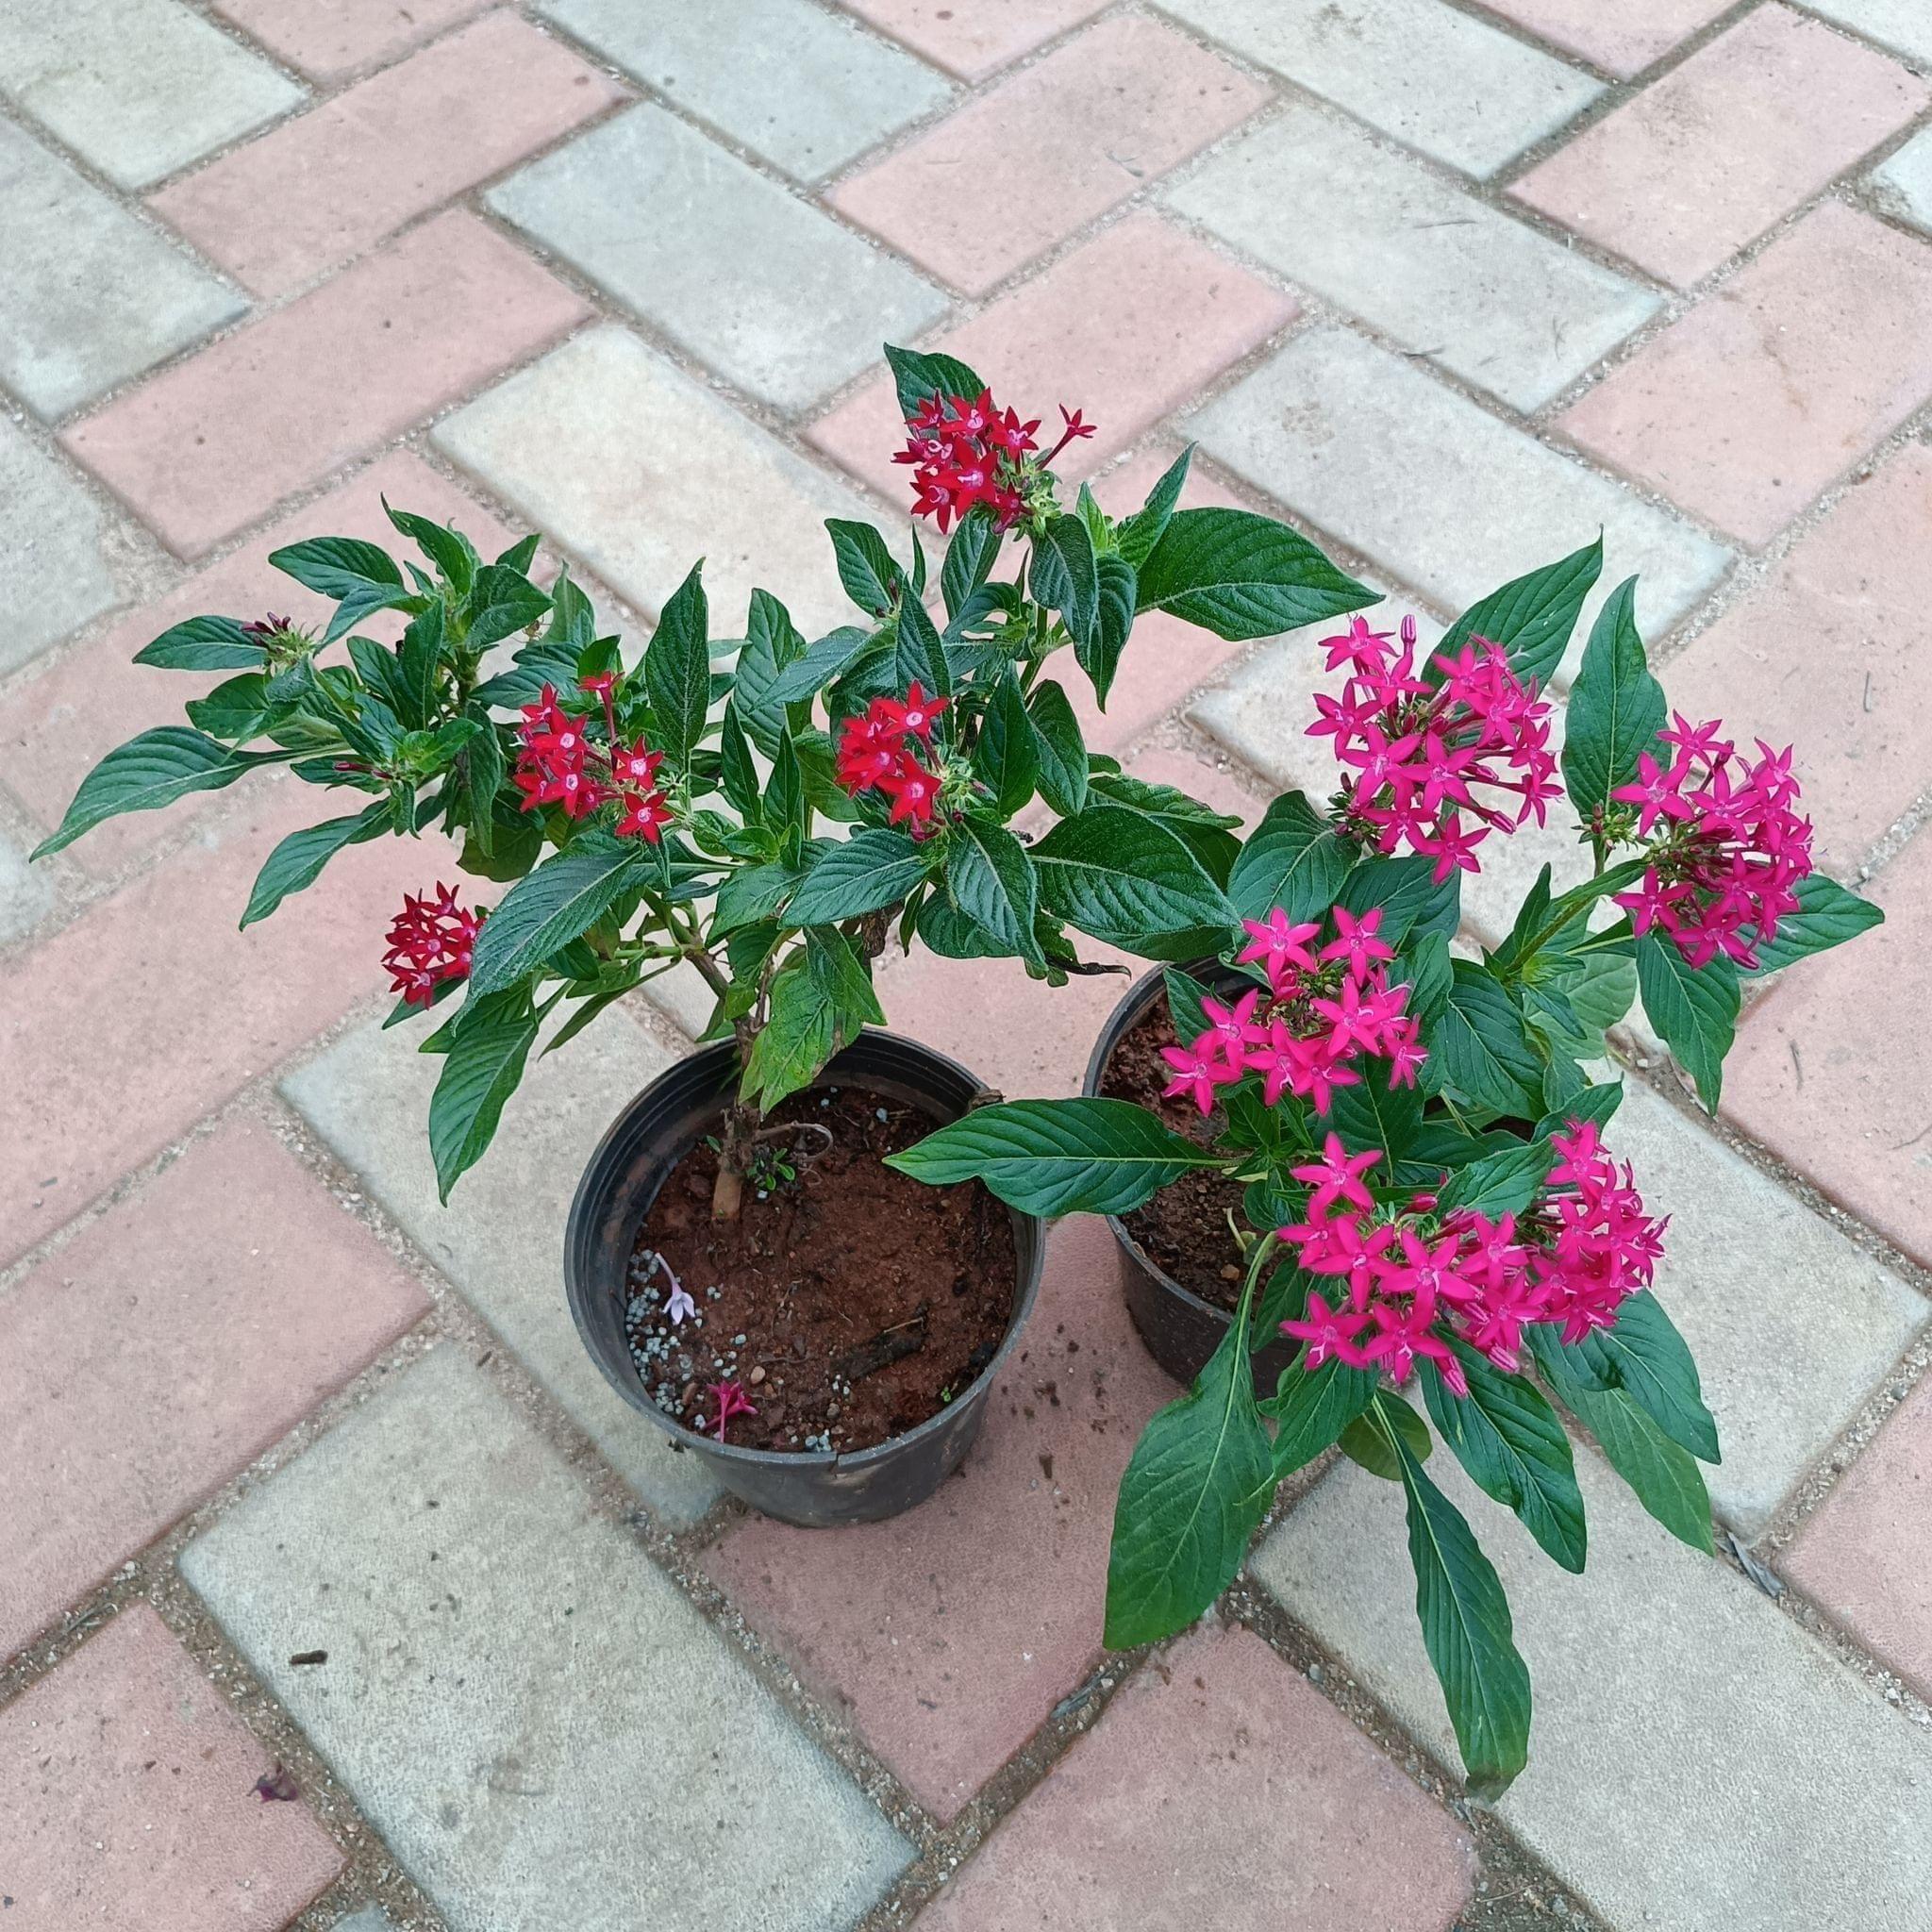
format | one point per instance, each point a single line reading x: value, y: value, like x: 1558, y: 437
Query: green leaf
x: 1242, y: 575
x: 360, y: 577
x: 1210, y: 835
x: 919, y: 656
x: 755, y: 894
x: 917, y: 375
x: 1292, y: 859
x: 990, y: 880
x: 1615, y: 708
x: 1468, y: 1634
x: 1593, y: 1102
x: 1373, y: 1114
x: 969, y: 556
x: 1006, y: 759
x: 820, y: 1000
x: 736, y: 772
x: 418, y: 660
x: 1126, y: 879
x: 784, y: 807
x: 1827, y: 916
x: 235, y: 710
x: 825, y: 659
x: 873, y: 869
x: 1426, y: 969
x: 1057, y: 1156
x: 1366, y: 1440
x: 1312, y: 1406
x: 1065, y: 576
x: 1184, y: 996
x: 489, y: 1045
x: 502, y: 602
x: 678, y: 670
x: 522, y: 554
x: 1411, y: 898
x: 772, y: 644
x: 1194, y: 1492
x: 298, y: 859
x: 1531, y: 617
x: 1645, y: 1356
x: 554, y: 903
x: 1099, y: 656
x: 1693, y: 1007
x: 866, y: 567
x: 451, y: 551
x: 1059, y: 749
x: 1480, y: 1047
x: 149, y: 771
x: 204, y: 643
x: 1139, y: 534
x: 1663, y: 1476
x: 1498, y: 1184
x: 1512, y: 1444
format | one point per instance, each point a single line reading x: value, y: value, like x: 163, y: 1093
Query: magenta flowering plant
x: 768, y: 809
x: 1418, y: 1135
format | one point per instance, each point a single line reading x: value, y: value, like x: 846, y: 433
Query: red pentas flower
x: 560, y: 763
x: 877, y: 750
x: 431, y: 940
x: 967, y: 451
x: 1412, y: 1280
x: 1326, y: 1007
x: 1727, y: 847
x: 1417, y: 749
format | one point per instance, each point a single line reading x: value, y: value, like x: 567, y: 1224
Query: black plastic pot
x: 1181, y: 1330
x: 634, y: 1160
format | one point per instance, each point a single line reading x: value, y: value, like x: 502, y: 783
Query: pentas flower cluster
x: 1417, y: 751
x: 1325, y: 1009
x: 431, y: 940
x: 1409, y: 1279
x: 968, y: 451
x: 558, y: 764
x: 1731, y: 849
x: 879, y: 751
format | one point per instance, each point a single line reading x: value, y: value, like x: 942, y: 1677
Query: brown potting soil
x: 850, y: 1303
x: 1184, y: 1228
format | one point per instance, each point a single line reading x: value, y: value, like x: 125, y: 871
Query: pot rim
x: 1025, y: 1292
x: 1132, y: 1003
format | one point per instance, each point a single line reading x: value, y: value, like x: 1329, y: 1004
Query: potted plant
x: 743, y: 1267
x: 1409, y: 1145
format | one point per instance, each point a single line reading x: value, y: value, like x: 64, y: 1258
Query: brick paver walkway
x: 1452, y: 284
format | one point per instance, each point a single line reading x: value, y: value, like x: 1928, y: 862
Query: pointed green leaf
x: 678, y: 670
x: 1512, y: 1444
x: 204, y: 643
x: 772, y: 644
x: 1644, y: 1355
x: 1499, y: 1183
x: 448, y: 549
x: 1366, y: 1440
x: 1099, y: 655
x: 1481, y: 1048
x: 297, y: 861
x: 1242, y: 575
x: 1615, y: 711
x: 1827, y: 916
x: 1532, y: 616
x: 360, y: 577
x: 1059, y: 748
x: 502, y: 602
x: 1312, y: 1406
x: 1005, y: 758
x: 1057, y: 1156
x: 1126, y: 879
x: 917, y: 373
x: 1693, y: 1007
x: 873, y: 869
x: 1292, y: 859
x: 976, y: 543
x: 554, y: 903
x: 990, y: 878
x: 1139, y: 534
x: 867, y: 569
x: 489, y: 1047
x: 1194, y: 1492
x: 152, y: 770
x: 919, y: 656
x: 1065, y: 576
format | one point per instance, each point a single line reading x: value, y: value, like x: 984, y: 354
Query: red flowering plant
x: 679, y: 810
x: 1419, y: 1137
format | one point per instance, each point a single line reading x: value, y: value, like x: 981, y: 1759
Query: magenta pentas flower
x: 1726, y: 844
x: 431, y: 940
x: 559, y: 762
x: 1434, y: 764
x: 1323, y: 1009
x: 1414, y: 1279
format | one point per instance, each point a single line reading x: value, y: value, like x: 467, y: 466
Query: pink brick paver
x: 1059, y: 143
x: 1828, y: 655
x: 1748, y: 408
x: 151, y: 1010
x: 1833, y: 1071
x: 211, y: 443
x: 1685, y: 173
x: 1127, y: 327
x: 55, y: 727
x: 1623, y: 36
x: 126, y: 1785
x: 1866, y: 1556
x: 976, y: 37
x: 952, y: 1631
x: 166, y: 1347
x: 1218, y: 1788
x: 336, y: 181
x: 328, y: 39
